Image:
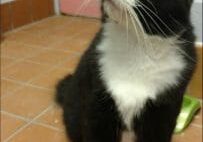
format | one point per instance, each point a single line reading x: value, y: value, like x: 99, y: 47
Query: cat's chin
x: 117, y: 13
x: 112, y: 4
x: 114, y: 12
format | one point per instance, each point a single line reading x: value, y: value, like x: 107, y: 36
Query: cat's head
x: 156, y: 16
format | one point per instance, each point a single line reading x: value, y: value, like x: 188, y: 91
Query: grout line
x: 49, y: 70
x: 48, y: 48
x: 29, y: 82
x: 75, y: 53
x: 43, y: 50
x: 32, y: 121
x: 51, y: 64
x: 8, y: 57
x: 48, y: 126
x: 28, y: 25
x: 22, y: 59
x: 70, y: 22
x: 16, y: 116
x: 196, y: 125
x: 55, y: 44
x: 25, y: 84
x: 14, y: 91
x: 45, y: 30
x: 29, y: 120
x: 26, y: 125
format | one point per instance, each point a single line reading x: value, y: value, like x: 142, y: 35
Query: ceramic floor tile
x: 50, y: 79
x: 191, y: 134
x: 56, y: 26
x: 44, y: 26
x: 53, y: 117
x: 17, y: 50
x: 14, y: 36
x: 91, y: 32
x: 72, y: 63
x: 75, y: 44
x: 48, y: 24
x: 88, y: 35
x: 35, y: 40
x: 52, y: 57
x: 5, y: 62
x: 67, y: 32
x: 25, y: 71
x: 198, y: 118
x: 9, y: 125
x: 75, y: 27
x: 27, y: 102
x: 8, y: 87
x: 36, y: 133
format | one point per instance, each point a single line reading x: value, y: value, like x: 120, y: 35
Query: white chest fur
x: 133, y: 73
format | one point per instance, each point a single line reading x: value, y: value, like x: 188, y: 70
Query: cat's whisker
x: 134, y: 19
x: 142, y: 16
x: 152, y: 5
x: 121, y: 13
x: 172, y: 32
x: 131, y: 11
x: 139, y: 37
x: 166, y: 26
x: 145, y: 46
x: 152, y: 12
x: 176, y: 21
x: 135, y: 28
x: 127, y: 28
x: 175, y: 35
x: 156, y: 24
x: 189, y: 57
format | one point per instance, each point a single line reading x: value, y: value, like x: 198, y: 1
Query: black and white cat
x: 129, y: 84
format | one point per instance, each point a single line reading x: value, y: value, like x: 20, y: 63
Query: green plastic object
x: 189, y: 108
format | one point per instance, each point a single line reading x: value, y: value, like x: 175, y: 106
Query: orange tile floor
x: 33, y: 59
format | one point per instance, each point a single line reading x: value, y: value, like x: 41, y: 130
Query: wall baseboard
x: 16, y: 13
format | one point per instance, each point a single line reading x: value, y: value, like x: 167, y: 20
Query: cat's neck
x: 126, y: 28
x: 126, y: 37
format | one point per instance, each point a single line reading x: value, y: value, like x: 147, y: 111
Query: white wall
x: 5, y: 1
x: 197, y: 19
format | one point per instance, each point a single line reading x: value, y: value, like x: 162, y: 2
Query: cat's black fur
x: 90, y: 114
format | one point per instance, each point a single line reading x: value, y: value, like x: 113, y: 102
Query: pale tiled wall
x: 78, y: 7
